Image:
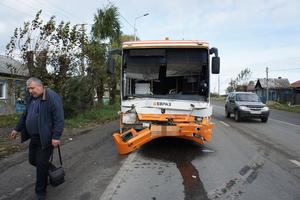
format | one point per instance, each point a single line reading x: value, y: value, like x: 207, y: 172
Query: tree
x: 243, y: 77
x: 240, y: 82
x: 232, y: 86
x: 106, y: 30
x: 51, y: 52
x: 30, y: 43
x: 96, y: 68
x: 63, y: 57
x: 107, y: 25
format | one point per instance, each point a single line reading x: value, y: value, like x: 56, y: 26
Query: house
x: 13, y: 77
x: 279, y: 89
x: 296, y: 93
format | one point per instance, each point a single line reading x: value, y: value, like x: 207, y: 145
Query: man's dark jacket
x: 50, y: 119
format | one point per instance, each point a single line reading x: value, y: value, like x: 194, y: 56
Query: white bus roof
x: 165, y: 44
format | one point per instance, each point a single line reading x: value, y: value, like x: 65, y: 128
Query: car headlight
x: 244, y: 108
x: 265, y: 108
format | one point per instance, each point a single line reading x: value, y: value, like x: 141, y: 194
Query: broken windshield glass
x: 170, y: 72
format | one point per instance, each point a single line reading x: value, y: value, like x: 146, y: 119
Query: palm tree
x: 105, y: 31
x: 107, y: 25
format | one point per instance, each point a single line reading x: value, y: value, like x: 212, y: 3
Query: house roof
x: 296, y: 84
x: 18, y: 68
x: 273, y: 83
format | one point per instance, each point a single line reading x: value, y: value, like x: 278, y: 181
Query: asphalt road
x: 246, y: 160
x: 90, y: 162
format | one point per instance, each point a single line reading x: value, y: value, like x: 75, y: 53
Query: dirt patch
x: 8, y: 146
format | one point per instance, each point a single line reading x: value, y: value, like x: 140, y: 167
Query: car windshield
x: 247, y: 97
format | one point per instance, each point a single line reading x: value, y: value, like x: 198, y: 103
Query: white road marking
x: 296, y: 162
x: 225, y: 124
x: 284, y: 122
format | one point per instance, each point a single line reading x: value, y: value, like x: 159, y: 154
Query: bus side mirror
x: 215, y: 65
x: 111, y: 61
x: 110, y: 65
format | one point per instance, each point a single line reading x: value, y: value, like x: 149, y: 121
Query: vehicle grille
x: 255, y: 109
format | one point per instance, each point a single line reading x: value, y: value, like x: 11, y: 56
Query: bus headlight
x: 129, y: 118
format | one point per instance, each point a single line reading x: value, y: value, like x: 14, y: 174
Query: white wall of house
x: 11, y: 90
x: 3, y: 90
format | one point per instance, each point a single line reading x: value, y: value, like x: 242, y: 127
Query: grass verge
x: 94, y: 116
x: 9, y: 120
x: 285, y: 107
x: 87, y: 118
x: 221, y: 98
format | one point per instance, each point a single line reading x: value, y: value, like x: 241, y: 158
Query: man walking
x: 42, y: 123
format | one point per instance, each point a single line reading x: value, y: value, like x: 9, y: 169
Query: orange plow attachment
x: 132, y: 139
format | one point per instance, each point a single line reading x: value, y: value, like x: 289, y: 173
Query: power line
x: 36, y: 8
x: 63, y: 11
x: 12, y: 8
x: 288, y: 69
x: 46, y: 5
x: 126, y: 20
x: 26, y: 13
x: 267, y: 74
x: 121, y: 15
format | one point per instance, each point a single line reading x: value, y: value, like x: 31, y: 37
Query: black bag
x: 56, y: 174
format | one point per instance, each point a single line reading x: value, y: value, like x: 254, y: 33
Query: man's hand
x: 13, y: 134
x: 55, y: 143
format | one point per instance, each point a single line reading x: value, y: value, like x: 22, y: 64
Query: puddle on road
x: 182, y: 153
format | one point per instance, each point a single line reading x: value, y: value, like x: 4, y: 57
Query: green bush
x: 77, y: 96
x: 94, y: 115
x: 9, y: 120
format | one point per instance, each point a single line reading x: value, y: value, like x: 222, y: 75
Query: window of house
x: 2, y: 90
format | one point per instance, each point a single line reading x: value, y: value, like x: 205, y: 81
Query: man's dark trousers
x: 39, y: 158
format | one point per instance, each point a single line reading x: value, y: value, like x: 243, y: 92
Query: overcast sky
x: 254, y: 34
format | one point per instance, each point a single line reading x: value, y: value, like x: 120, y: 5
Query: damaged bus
x: 165, y: 91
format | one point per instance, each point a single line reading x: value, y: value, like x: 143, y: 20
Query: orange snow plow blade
x: 131, y: 140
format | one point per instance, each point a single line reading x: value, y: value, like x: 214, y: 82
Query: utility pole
x: 219, y: 85
x: 267, y: 73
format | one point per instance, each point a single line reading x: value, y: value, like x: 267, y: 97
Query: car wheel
x: 237, y: 116
x: 227, y: 114
x: 264, y: 119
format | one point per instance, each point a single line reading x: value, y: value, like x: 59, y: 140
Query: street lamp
x: 134, y: 29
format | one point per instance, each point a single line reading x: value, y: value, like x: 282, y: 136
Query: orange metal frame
x: 184, y: 126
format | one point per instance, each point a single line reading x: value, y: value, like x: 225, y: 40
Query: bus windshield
x: 177, y: 73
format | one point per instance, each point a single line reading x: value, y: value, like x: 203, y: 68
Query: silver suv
x: 245, y: 105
